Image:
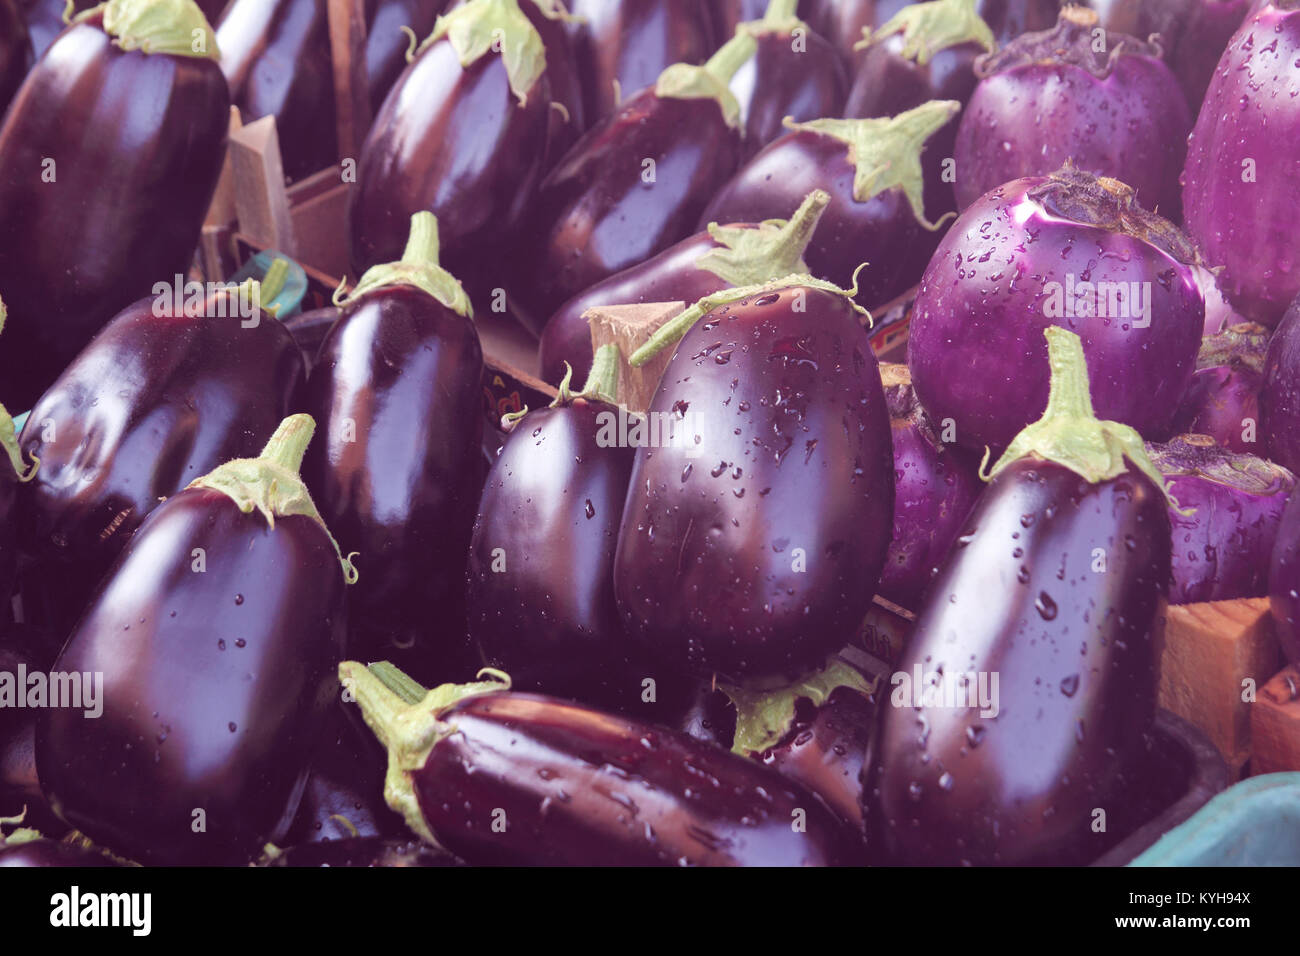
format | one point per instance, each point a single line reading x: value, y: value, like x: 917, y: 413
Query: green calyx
x: 671, y: 332
x: 271, y: 482
x: 749, y: 256
x: 1069, y: 433
x: 685, y: 81
x: 886, y: 152
x: 481, y: 26
x: 780, y: 17
x: 405, y: 718
x: 418, y: 267
x: 8, y: 434
x: 175, y: 27
x: 927, y: 28
x: 602, y: 380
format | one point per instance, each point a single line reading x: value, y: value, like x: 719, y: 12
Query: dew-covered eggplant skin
x: 217, y: 634
x: 1284, y: 582
x: 754, y: 535
x: 1279, y: 398
x: 1054, y: 588
x: 387, y: 43
x: 1241, y: 193
x: 108, y: 162
x: 1223, y: 398
x: 363, y: 852
x: 1015, y: 263
x: 1221, y: 551
x: 15, y: 50
x: 1050, y: 97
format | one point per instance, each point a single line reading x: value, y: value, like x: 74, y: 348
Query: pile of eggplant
x: 286, y: 591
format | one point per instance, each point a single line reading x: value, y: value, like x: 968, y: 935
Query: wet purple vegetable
x: 1223, y: 398
x: 1284, y: 582
x: 1279, y: 398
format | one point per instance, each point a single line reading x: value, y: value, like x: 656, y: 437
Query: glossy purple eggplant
x: 1284, y: 582
x: 1229, y: 508
x: 872, y: 170
x: 1223, y: 398
x: 632, y: 186
x: 845, y: 22
x: 1054, y: 591
x: 42, y: 852
x: 387, y: 42
x: 15, y: 50
x: 759, y: 515
x: 363, y: 852
x: 707, y: 262
x: 44, y: 19
x: 276, y: 57
x: 1059, y: 95
x: 936, y: 484
x: 108, y: 161
x: 1067, y: 250
x: 621, y: 48
x: 397, y: 391
x: 521, y: 779
x: 170, y: 389
x: 1279, y: 397
x: 214, y: 639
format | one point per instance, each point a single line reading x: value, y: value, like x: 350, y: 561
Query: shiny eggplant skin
x: 631, y: 42
x: 1055, y: 586
x: 551, y: 510
x: 1284, y: 582
x: 45, y: 20
x: 49, y: 853
x: 363, y: 852
x: 595, y: 213
x: 754, y: 535
x: 1279, y: 395
x: 587, y: 788
x: 214, y: 685
x: 15, y: 51
x: 394, y: 470
x: 137, y: 141
x: 387, y: 43
x: 276, y: 57
x: 153, y: 402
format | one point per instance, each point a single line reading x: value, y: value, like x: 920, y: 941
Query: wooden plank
x: 222, y: 209
x: 318, y: 210
x: 347, y: 25
x: 1275, y: 724
x: 629, y: 327
x: 261, y: 203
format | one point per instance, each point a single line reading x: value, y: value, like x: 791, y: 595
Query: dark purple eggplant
x: 498, y: 777
x: 760, y: 507
x: 1106, y: 101
x: 216, y: 634
x: 166, y: 392
x: 707, y: 262
x: 1229, y: 508
x: 14, y: 471
x: 729, y: 14
x: 936, y: 484
x: 24, y: 653
x: 276, y: 57
x: 846, y: 22
x: 45, y: 21
x: 872, y: 170
x: 1284, y: 582
x: 633, y: 185
x: 1054, y: 590
x: 108, y: 160
x: 1279, y: 397
x: 15, y: 51
x: 387, y: 42
x: 1223, y: 398
x: 397, y: 391
x: 622, y: 47
x: 363, y: 852
x: 38, y: 851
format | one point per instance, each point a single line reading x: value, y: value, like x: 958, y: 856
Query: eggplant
x: 15, y: 51
x: 872, y: 170
x: 1069, y: 250
x: 1284, y: 582
x: 38, y: 851
x: 109, y: 157
x: 1223, y: 399
x: 633, y: 185
x: 1219, y: 312
x: 1114, y: 109
x: 14, y: 472
x: 24, y: 651
x: 1222, y: 548
x: 1242, y: 195
x: 216, y: 633
x: 44, y: 20
x: 1055, y: 590
x: 622, y: 47
x: 758, y: 517
x: 276, y: 57
x: 362, y: 852
x: 166, y: 392
x: 729, y: 14
x: 707, y: 262
x: 386, y: 40
x: 309, y: 330
x: 1279, y: 396
x: 935, y: 486
x: 397, y: 391
x: 501, y: 777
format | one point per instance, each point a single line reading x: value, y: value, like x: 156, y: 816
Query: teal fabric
x: 295, y: 286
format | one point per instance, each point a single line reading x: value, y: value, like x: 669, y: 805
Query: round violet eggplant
x: 1068, y: 250
x: 463, y: 135
x: 387, y: 41
x: 212, y: 642
x: 1052, y: 96
x: 871, y: 169
x: 541, y: 561
x: 397, y: 390
x: 1284, y: 582
x: 498, y: 777
x: 1020, y: 702
x: 1223, y: 399
x: 633, y: 185
x: 15, y: 51
x: 761, y: 500
x: 362, y: 852
x: 108, y: 160
x: 621, y: 48
x: 935, y: 486
x: 1229, y: 507
x: 708, y: 262
x: 276, y: 57
x: 1279, y: 397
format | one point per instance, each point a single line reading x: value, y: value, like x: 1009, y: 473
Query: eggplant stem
x: 419, y: 267
x: 400, y: 683
x: 749, y: 256
x: 602, y: 380
x: 781, y: 11
x: 273, y: 281
x: 287, y: 447
x: 731, y: 56
x: 928, y: 28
